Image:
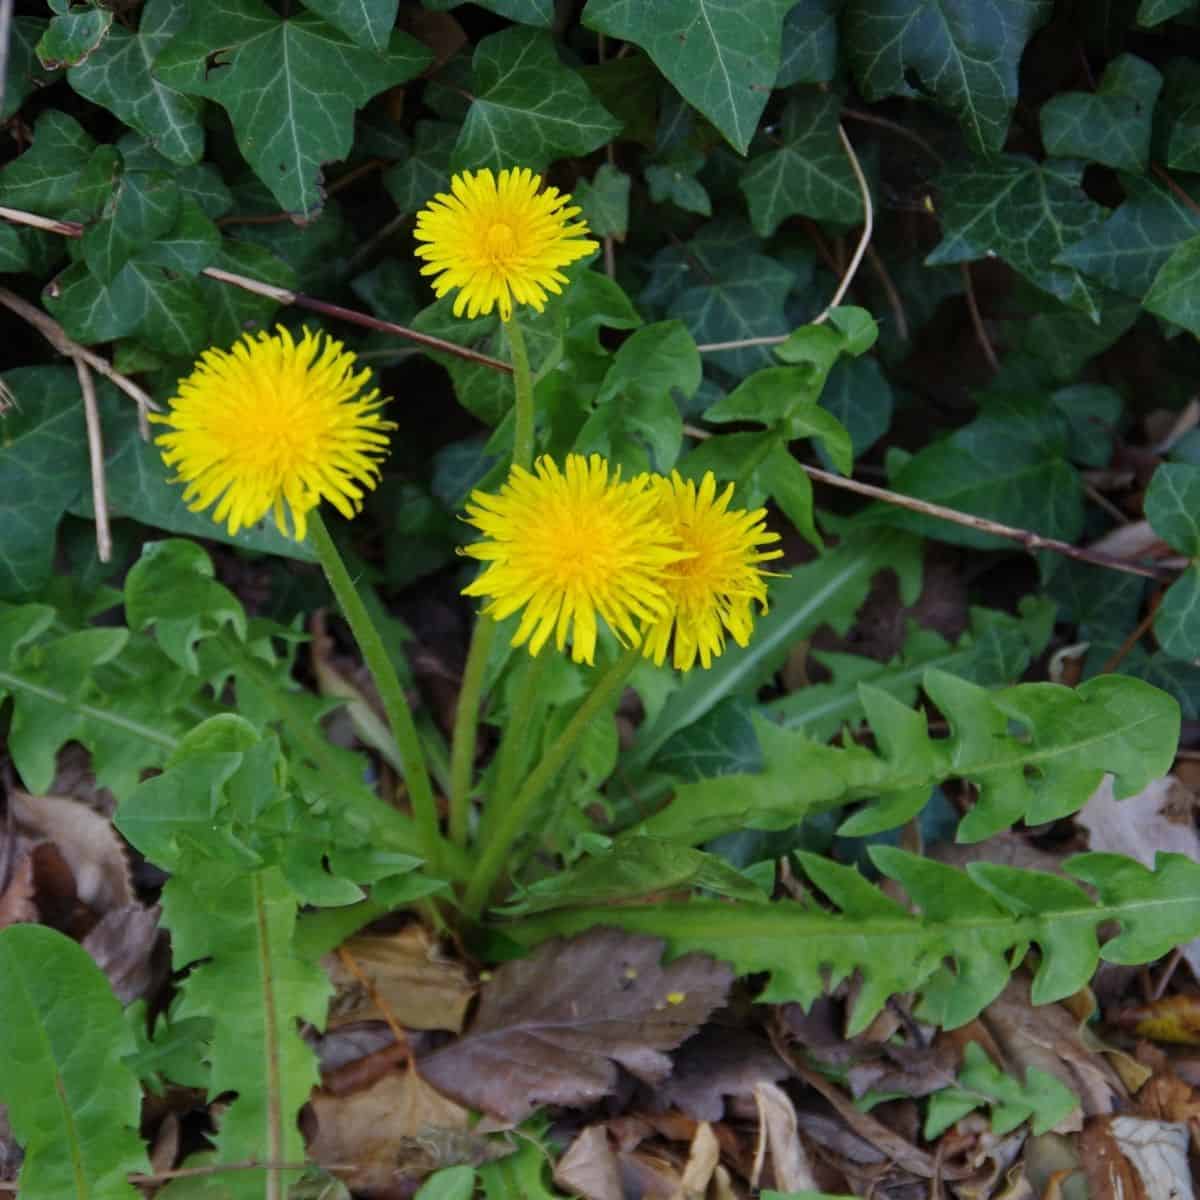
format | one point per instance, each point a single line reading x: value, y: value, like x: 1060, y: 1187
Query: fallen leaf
x: 718, y: 1062
x: 88, y: 843
x: 778, y: 1136
x: 381, y: 1131
x: 703, y: 1158
x: 1168, y: 1019
x: 590, y: 1168
x: 1110, y: 1174
x: 552, y: 1027
x: 1158, y: 1152
x: 16, y: 900
x: 122, y: 943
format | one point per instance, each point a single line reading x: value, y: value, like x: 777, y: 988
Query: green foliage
x: 1040, y: 1097
x: 982, y: 921
x: 72, y: 1102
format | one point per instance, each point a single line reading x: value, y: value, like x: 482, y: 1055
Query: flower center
x: 501, y: 242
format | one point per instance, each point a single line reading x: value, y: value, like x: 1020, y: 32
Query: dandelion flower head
x: 568, y: 546
x: 275, y: 424
x: 713, y: 588
x: 499, y: 240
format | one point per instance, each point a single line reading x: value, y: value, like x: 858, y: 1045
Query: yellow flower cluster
x: 662, y: 561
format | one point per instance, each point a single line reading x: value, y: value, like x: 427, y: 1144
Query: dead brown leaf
x: 1169, y: 1019
x: 551, y: 1028
x: 1158, y: 1152
x: 703, y: 1158
x: 406, y: 972
x: 390, y: 1131
x: 16, y: 900
x: 1110, y: 1175
x: 123, y: 945
x: 719, y: 1061
x: 590, y: 1168
x: 86, y: 840
x: 778, y: 1137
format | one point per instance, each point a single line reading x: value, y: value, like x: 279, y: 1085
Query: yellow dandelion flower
x: 568, y: 546
x: 712, y: 589
x: 498, y: 240
x: 272, y: 423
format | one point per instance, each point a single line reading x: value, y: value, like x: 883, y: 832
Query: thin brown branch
x: 1027, y: 538
x: 91, y: 417
x: 281, y: 296
x: 1176, y: 190
x: 54, y: 333
x: 847, y: 277
x: 1139, y: 631
x: 981, y: 336
x: 889, y: 289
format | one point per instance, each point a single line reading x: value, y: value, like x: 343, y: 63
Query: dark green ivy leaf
x: 1024, y: 212
x: 1112, y: 124
x: 528, y: 108
x: 605, y: 201
x: 74, y: 33
x: 24, y: 72
x: 290, y: 87
x: 965, y: 52
x: 809, y: 174
x: 1175, y: 292
x: 1155, y: 12
x: 369, y: 23
x: 117, y: 76
x: 810, y: 43
x: 143, y: 206
x: 723, y: 58
x: 45, y: 179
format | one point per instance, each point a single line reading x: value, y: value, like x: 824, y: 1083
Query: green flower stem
x: 466, y: 726
x: 513, y: 821
x: 470, y: 695
x: 395, y: 705
x: 522, y: 719
x: 523, y: 402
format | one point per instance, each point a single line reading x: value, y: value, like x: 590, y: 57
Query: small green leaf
x: 791, y: 488
x: 117, y: 76
x: 189, y: 245
x: 721, y: 58
x: 24, y: 72
x: 290, y: 87
x: 73, y: 1103
x: 1172, y: 506
x: 810, y: 43
x: 858, y: 395
x: 1155, y: 12
x: 143, y: 206
x: 605, y: 202
x: 1177, y: 622
x: 676, y: 181
x: 1024, y: 212
x: 528, y: 108
x: 46, y: 177
x: 964, y: 52
x: 74, y: 34
x: 1175, y: 292
x: 1111, y: 125
x: 808, y: 175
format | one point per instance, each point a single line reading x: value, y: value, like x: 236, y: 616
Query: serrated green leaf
x: 75, y: 33
x: 1024, y: 212
x: 810, y: 43
x: 46, y: 177
x: 965, y: 52
x: 1175, y: 291
x: 117, y: 76
x: 605, y: 201
x: 528, y: 108
x: 23, y: 72
x: 1172, y: 506
x: 142, y: 298
x: 367, y: 22
x: 721, y: 56
x: 73, y: 1104
x: 43, y: 465
x: 984, y: 930
x: 142, y: 207
x: 808, y: 175
x: 290, y: 87
x: 1111, y: 125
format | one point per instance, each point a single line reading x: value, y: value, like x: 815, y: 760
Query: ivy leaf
x: 858, y: 394
x: 369, y: 23
x: 676, y: 181
x: 43, y: 460
x: 1172, y: 506
x: 1111, y: 125
x: 722, y: 58
x: 24, y: 71
x: 189, y: 245
x: 1129, y: 249
x: 290, y: 87
x: 73, y: 1103
x: 964, y: 52
x: 426, y: 171
x: 1177, y: 621
x: 1155, y: 12
x: 46, y: 177
x: 605, y: 201
x: 73, y: 34
x: 529, y: 108
x: 231, y: 310
x: 808, y: 175
x: 143, y: 206
x: 1175, y: 292
x: 1026, y: 213
x: 526, y: 12
x: 810, y: 43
